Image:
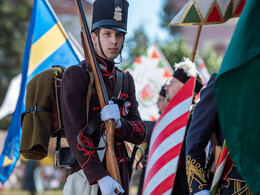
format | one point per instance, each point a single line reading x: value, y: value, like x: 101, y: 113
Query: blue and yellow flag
x: 47, y: 44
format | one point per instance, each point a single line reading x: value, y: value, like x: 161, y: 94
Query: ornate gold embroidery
x: 239, y: 186
x: 196, y: 173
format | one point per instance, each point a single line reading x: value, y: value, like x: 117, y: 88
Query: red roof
x: 68, y: 7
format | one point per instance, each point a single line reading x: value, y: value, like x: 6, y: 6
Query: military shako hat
x: 187, y: 69
x: 162, y: 92
x: 111, y: 14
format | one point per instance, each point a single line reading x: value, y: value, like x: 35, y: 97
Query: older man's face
x: 172, y: 88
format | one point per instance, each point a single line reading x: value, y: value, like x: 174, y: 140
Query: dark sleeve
x: 203, y: 122
x: 133, y: 129
x: 73, y: 103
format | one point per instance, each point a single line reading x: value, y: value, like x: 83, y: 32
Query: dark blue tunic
x: 204, y: 122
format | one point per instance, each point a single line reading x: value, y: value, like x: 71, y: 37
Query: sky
x: 147, y: 14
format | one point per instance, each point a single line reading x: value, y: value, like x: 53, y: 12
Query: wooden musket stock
x: 111, y: 162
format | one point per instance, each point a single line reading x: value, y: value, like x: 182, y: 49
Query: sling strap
x: 33, y: 109
x: 118, y: 85
x: 96, y: 120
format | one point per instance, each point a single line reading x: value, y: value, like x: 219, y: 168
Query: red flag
x: 166, y: 142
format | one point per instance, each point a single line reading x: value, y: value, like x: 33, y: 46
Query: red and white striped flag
x: 166, y: 142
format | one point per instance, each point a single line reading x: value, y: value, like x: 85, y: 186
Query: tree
x: 135, y: 46
x: 170, y: 9
x: 14, y: 22
x: 177, y: 49
x: 174, y: 49
x: 212, y: 61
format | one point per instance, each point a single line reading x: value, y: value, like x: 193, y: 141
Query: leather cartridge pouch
x: 64, y: 158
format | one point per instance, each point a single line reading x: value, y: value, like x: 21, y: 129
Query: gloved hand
x: 111, y: 111
x: 203, y: 192
x: 108, y: 186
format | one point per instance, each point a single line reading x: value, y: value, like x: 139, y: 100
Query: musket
x: 132, y: 159
x: 111, y: 161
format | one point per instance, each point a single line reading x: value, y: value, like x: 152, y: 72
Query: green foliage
x: 23, y: 192
x: 14, y: 23
x: 5, y: 122
x: 212, y: 61
x: 174, y: 48
x: 135, y: 46
x: 138, y: 43
x: 175, y: 51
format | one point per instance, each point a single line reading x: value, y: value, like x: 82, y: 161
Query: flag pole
x: 196, y: 41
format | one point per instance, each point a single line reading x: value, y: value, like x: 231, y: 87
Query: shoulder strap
x: 126, y: 81
x: 91, y: 81
x: 33, y: 109
x: 118, y: 85
x: 96, y: 120
x: 120, y: 76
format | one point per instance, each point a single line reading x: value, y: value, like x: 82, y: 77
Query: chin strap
x: 100, y: 46
x: 120, y: 59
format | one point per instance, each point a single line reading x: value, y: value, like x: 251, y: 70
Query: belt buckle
x: 34, y: 109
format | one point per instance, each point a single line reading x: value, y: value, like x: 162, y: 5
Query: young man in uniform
x: 109, y: 25
x: 204, y: 122
x: 183, y: 72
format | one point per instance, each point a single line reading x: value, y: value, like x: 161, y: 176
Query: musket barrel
x: 90, y: 53
x: 111, y: 161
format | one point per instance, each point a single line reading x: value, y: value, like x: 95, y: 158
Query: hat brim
x: 113, y: 28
